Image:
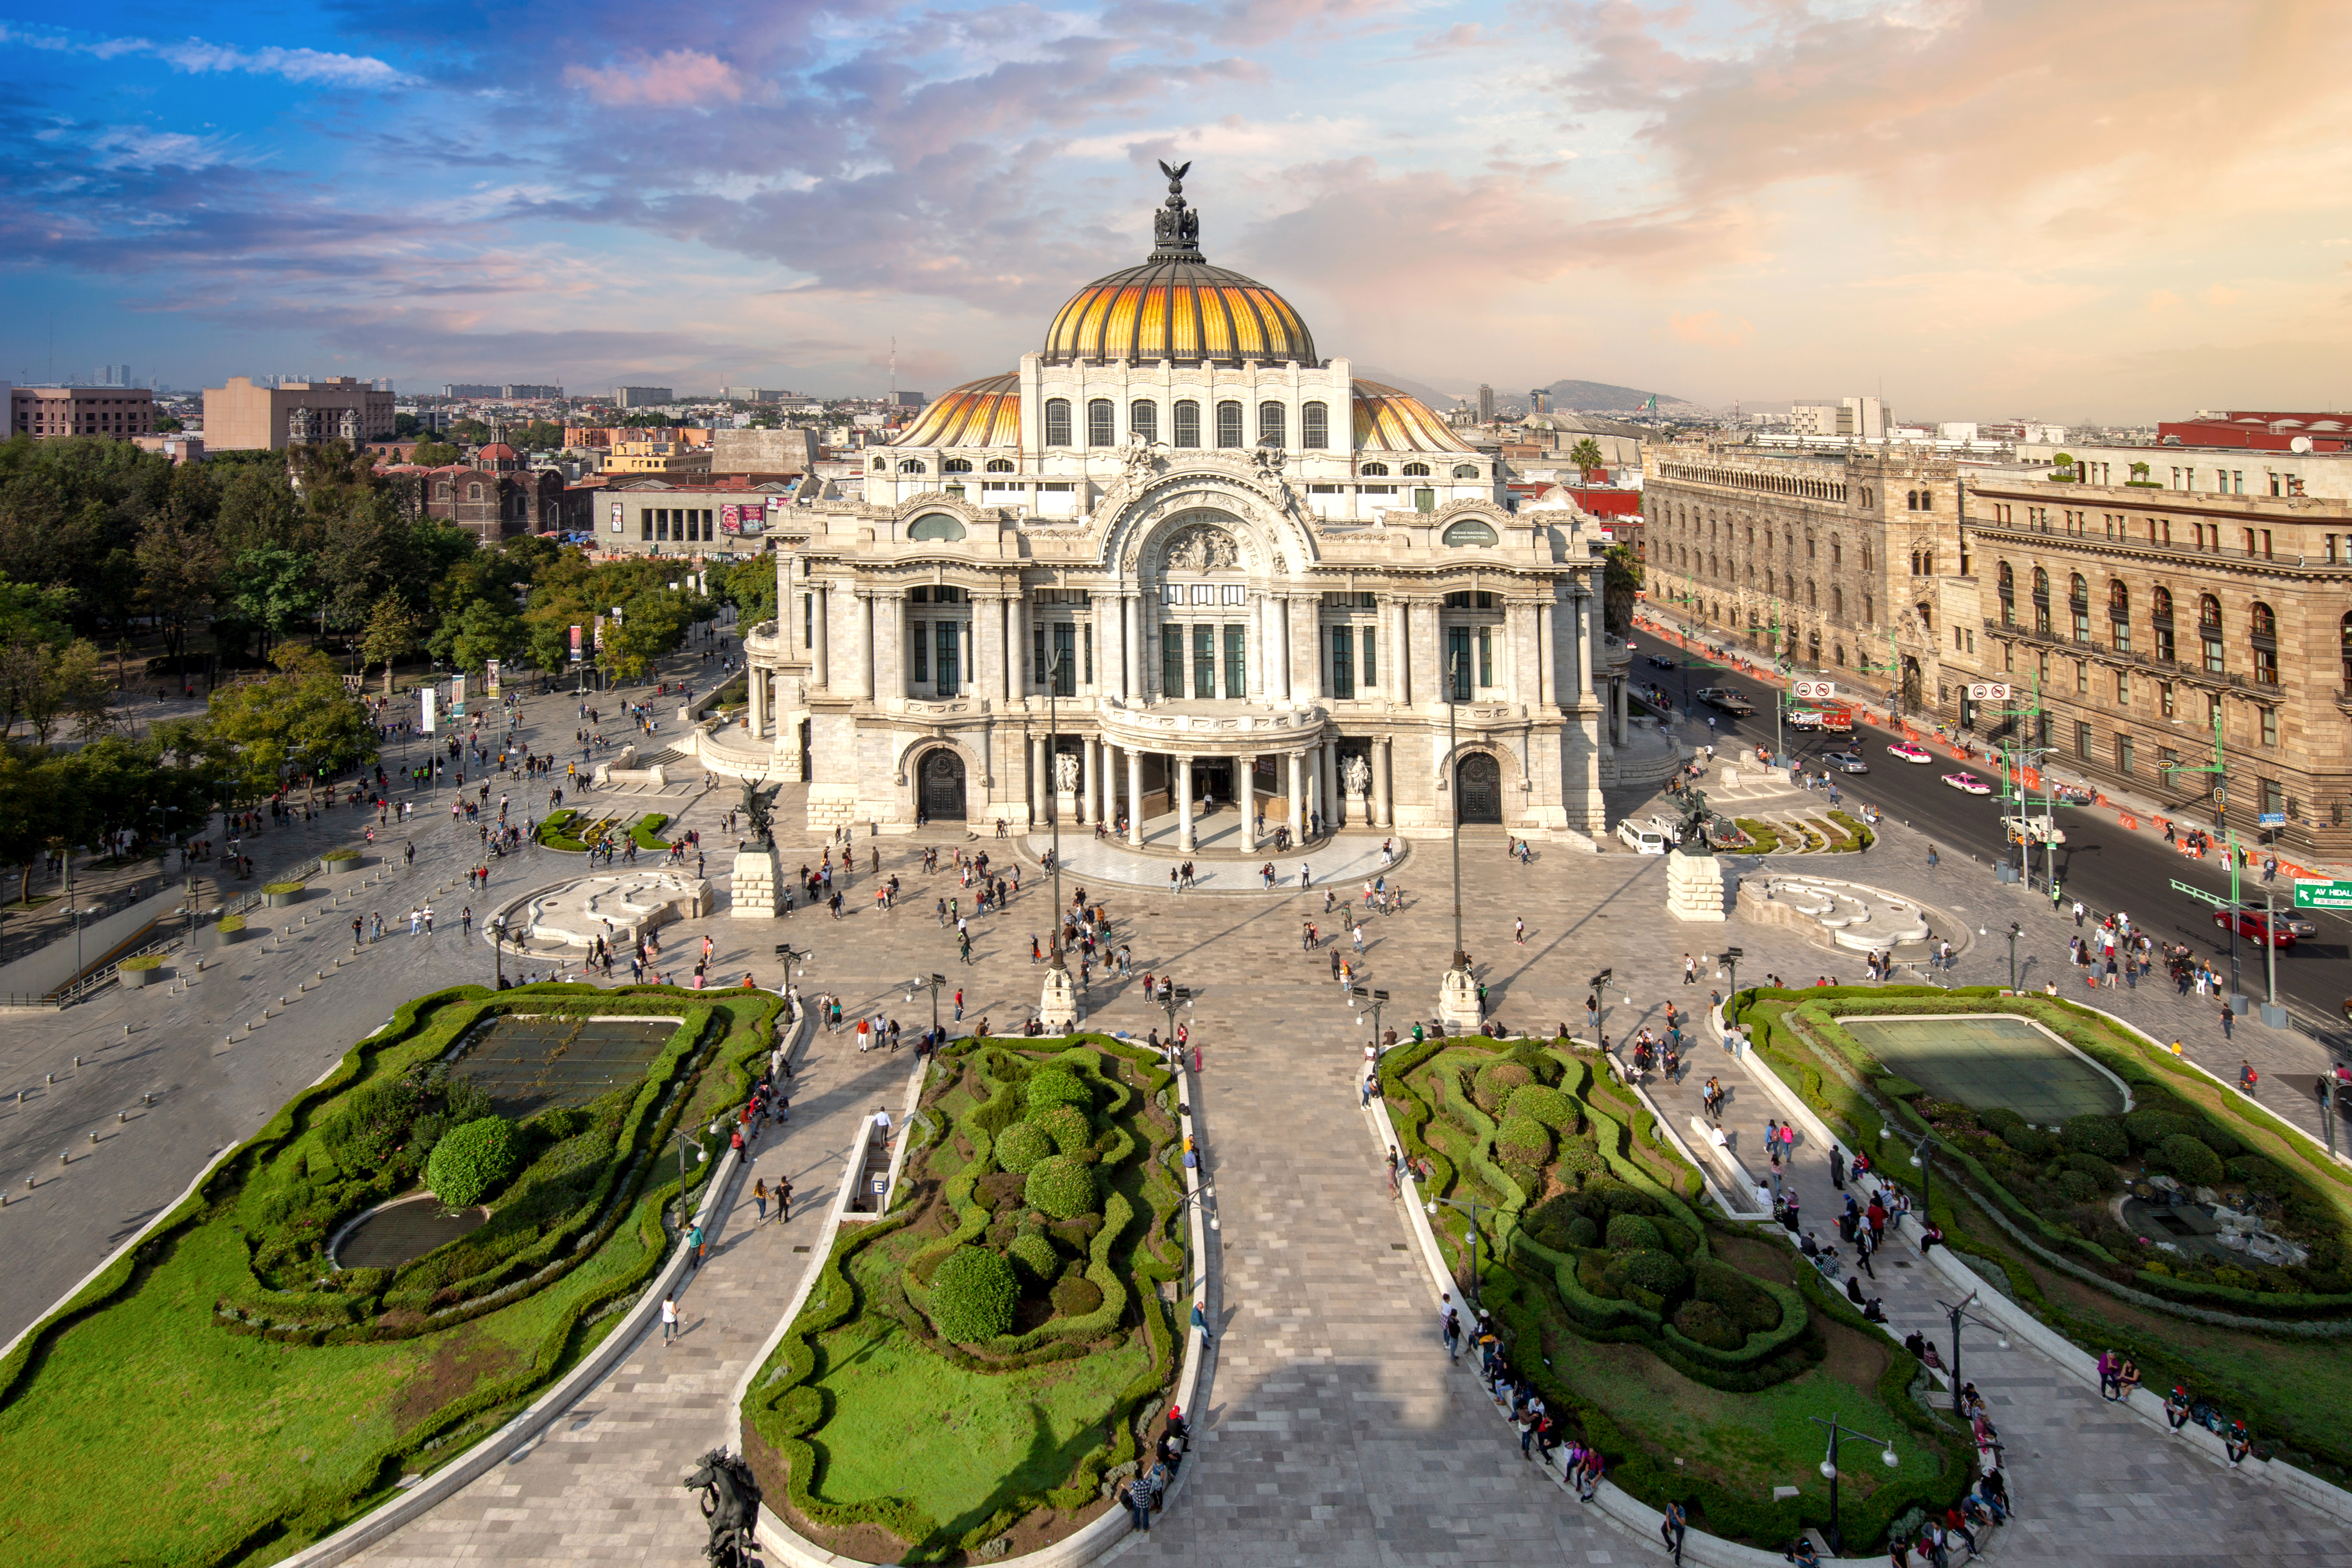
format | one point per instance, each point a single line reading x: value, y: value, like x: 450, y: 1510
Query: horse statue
x: 730, y: 1501
x: 1697, y: 816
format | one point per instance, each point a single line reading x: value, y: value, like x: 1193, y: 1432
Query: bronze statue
x: 1693, y: 829
x: 758, y: 811
x: 730, y: 1501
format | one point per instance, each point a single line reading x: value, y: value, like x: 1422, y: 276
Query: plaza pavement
x: 1329, y: 1430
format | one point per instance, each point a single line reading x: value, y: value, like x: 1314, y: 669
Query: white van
x: 1642, y: 840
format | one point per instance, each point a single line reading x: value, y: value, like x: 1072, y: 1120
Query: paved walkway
x: 1221, y: 868
x: 602, y: 1485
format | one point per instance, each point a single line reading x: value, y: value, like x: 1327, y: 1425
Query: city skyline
x: 1724, y: 203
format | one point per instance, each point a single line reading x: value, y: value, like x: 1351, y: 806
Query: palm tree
x: 1586, y: 455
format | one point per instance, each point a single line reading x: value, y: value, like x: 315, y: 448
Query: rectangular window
x: 1086, y: 636
x: 1424, y: 499
x: 2164, y: 644
x: 2082, y: 678
x: 646, y: 524
x: 2121, y: 635
x: 2164, y: 698
x: 1457, y: 661
x: 1229, y: 424
x: 808, y: 620
x: 2125, y: 755
x: 2083, y: 740
x: 1236, y: 660
x: 1064, y: 668
x: 2213, y: 656
x: 1235, y: 594
x: 1204, y: 593
x: 2123, y: 689
x: 2274, y: 797
x: 2270, y: 728
x: 1343, y: 662
x: 950, y: 661
x: 1171, y: 661
x: 1037, y: 653
x: 1271, y: 420
x: 1188, y: 423
x: 1485, y: 656
x: 1057, y: 422
x: 1143, y: 419
x: 1372, y: 675
x: 922, y: 672
x: 1314, y: 427
x: 1204, y: 661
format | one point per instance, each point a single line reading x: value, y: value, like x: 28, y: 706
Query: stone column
x: 1326, y: 791
x: 1135, y: 797
x: 1546, y: 674
x: 1381, y: 759
x: 1278, y: 647
x: 1245, y: 798
x: 861, y: 674
x: 902, y: 633
x: 1585, y: 640
x: 1620, y: 689
x: 758, y: 718
x: 1127, y: 684
x: 967, y: 676
x: 1400, y: 654
x: 1184, y: 839
x: 1017, y: 653
x: 821, y: 648
x: 1090, y: 750
x: 1040, y: 782
x: 1297, y: 797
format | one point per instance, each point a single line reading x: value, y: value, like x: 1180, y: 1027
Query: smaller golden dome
x: 983, y: 413
x: 1388, y: 420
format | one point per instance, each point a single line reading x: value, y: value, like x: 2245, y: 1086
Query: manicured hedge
x: 471, y: 1161
x: 973, y: 1294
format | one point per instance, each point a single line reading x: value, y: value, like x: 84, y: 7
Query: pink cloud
x: 674, y: 79
x: 1711, y: 330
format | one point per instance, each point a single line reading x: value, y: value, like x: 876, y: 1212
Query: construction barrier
x: 2130, y: 821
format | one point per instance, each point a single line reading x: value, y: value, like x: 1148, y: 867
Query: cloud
x: 2220, y: 296
x: 674, y: 79
x: 2162, y: 301
x: 1711, y: 329
x: 136, y: 147
x: 196, y: 56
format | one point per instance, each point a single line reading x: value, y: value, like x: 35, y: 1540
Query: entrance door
x: 1911, y: 683
x: 940, y: 785
x: 1478, y: 789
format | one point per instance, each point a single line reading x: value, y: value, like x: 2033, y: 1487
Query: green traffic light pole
x: 2272, y: 1013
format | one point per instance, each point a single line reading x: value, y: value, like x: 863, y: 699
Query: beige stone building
x: 243, y: 416
x: 1181, y: 556
x: 2142, y: 616
x: 1844, y: 563
x: 61, y: 413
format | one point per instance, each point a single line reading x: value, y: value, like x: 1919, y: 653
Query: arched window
x: 2343, y: 640
x: 2078, y: 590
x: 2264, y: 627
x: 473, y: 492
x: 881, y: 464
x: 1143, y: 419
x: 2209, y: 633
x: 1415, y: 470
x: 1102, y: 422
x: 1466, y: 471
x: 1271, y: 421
x: 1927, y: 501
x: 1469, y: 532
x: 1057, y: 422
x: 913, y: 466
x: 2264, y: 623
x: 1374, y: 470
x: 2078, y: 606
x: 1186, y: 428
x: 1927, y: 616
x: 1229, y: 424
x: 936, y: 525
x: 1000, y: 465
x: 442, y: 491
x: 2118, y: 616
x: 1837, y: 608
x: 2209, y: 611
x: 1910, y: 500
x: 2005, y: 576
x: 2160, y: 604
x: 956, y: 466
x: 1314, y: 427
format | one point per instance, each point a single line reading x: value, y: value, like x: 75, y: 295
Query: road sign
x: 2272, y: 819
x: 2310, y: 894
x: 2216, y: 900
x: 1815, y: 690
x: 1988, y: 691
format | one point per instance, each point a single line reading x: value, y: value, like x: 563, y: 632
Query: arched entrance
x: 939, y: 784
x: 1478, y: 789
x: 1911, y: 683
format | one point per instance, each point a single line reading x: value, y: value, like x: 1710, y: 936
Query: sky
x: 2088, y: 210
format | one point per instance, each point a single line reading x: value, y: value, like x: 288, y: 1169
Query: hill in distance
x: 1599, y: 396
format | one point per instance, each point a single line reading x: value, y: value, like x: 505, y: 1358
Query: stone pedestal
x: 1694, y: 887
x: 756, y: 884
x: 1457, y: 1002
x: 1057, y: 1009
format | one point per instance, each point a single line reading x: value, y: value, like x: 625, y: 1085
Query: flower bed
x: 994, y: 1350
x: 1634, y: 1312
x: 255, y: 1395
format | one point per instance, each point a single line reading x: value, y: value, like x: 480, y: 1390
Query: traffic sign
x: 2310, y: 894
x: 1988, y: 691
x: 2216, y: 900
x: 2271, y: 819
x: 1815, y: 690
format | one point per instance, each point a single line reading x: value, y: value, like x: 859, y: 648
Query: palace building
x: 1180, y: 559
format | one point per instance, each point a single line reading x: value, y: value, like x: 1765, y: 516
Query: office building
x: 245, y: 416
x: 643, y: 396
x: 49, y: 413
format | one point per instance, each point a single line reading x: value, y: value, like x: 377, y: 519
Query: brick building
x: 49, y: 413
x: 494, y: 498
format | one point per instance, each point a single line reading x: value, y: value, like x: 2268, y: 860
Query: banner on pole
x: 428, y: 709
x: 491, y: 678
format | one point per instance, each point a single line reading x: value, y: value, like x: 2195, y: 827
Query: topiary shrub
x: 1495, y: 1084
x: 2077, y: 1187
x: 471, y: 1161
x: 973, y: 1294
x: 374, y: 1123
x: 1075, y: 1296
x: 2190, y: 1161
x: 1064, y: 1187
x: 1619, y: 1198
x: 1058, y: 1085
x: 1579, y: 1161
x: 1522, y: 1141
x: 1547, y: 1106
x: 2258, y: 1174
x: 1655, y: 1272
x: 1631, y: 1233
x: 1747, y: 1304
x: 1020, y: 1146
x: 2149, y: 1128
x: 1065, y: 1124
x: 1550, y: 1220
x: 1582, y: 1231
x: 2218, y: 1139
x: 1709, y: 1325
x: 1034, y: 1260
x: 2104, y: 1176
x: 2093, y: 1134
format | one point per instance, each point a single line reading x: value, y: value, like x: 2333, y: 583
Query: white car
x: 1642, y: 840
x: 1968, y: 784
x: 1911, y: 754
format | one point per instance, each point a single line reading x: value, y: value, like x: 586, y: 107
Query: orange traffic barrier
x: 2130, y: 821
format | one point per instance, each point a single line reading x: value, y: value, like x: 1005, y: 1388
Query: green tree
x: 49, y: 684
x: 437, y: 454
x: 1586, y: 453
x: 1621, y: 581
x: 180, y: 563
x: 749, y: 585
x: 41, y: 811
x: 487, y: 630
x: 392, y: 630
x: 272, y: 589
x: 300, y: 721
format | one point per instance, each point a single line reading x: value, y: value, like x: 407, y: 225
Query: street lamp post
x: 1922, y: 1163
x: 1471, y: 1207
x: 1959, y: 1313
x: 1841, y: 1433
x: 2220, y: 772
x: 498, y: 925
x: 1170, y: 998
x: 791, y: 955
x: 701, y: 1155
x: 1731, y: 957
x: 1057, y: 1010
x: 1359, y: 995
x: 933, y: 985
x: 1457, y: 994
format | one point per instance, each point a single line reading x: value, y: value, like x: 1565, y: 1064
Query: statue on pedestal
x: 759, y: 810
x: 1356, y: 776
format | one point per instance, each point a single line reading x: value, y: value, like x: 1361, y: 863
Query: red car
x: 2252, y: 926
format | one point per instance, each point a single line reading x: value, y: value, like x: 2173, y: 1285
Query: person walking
x: 1673, y: 1527
x: 760, y: 1199
x: 670, y: 1317
x: 1449, y: 1328
x: 2247, y: 1078
x: 2228, y: 1020
x: 694, y: 1244
x: 784, y: 1199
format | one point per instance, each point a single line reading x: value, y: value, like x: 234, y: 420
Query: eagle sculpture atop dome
x: 1175, y: 229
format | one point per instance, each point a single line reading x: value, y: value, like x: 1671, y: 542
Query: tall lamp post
x: 1920, y: 1162
x: 1457, y: 994
x: 1172, y: 997
x: 933, y: 985
x: 2218, y: 770
x: 2013, y: 933
x: 1959, y: 1313
x: 1841, y: 1433
x: 686, y: 1137
x: 1057, y: 1010
x: 790, y: 956
x: 1362, y: 996
x: 498, y: 925
x: 1471, y: 1207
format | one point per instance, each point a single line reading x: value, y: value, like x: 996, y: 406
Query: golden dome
x: 983, y: 413
x: 1388, y: 420
x: 1177, y: 307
